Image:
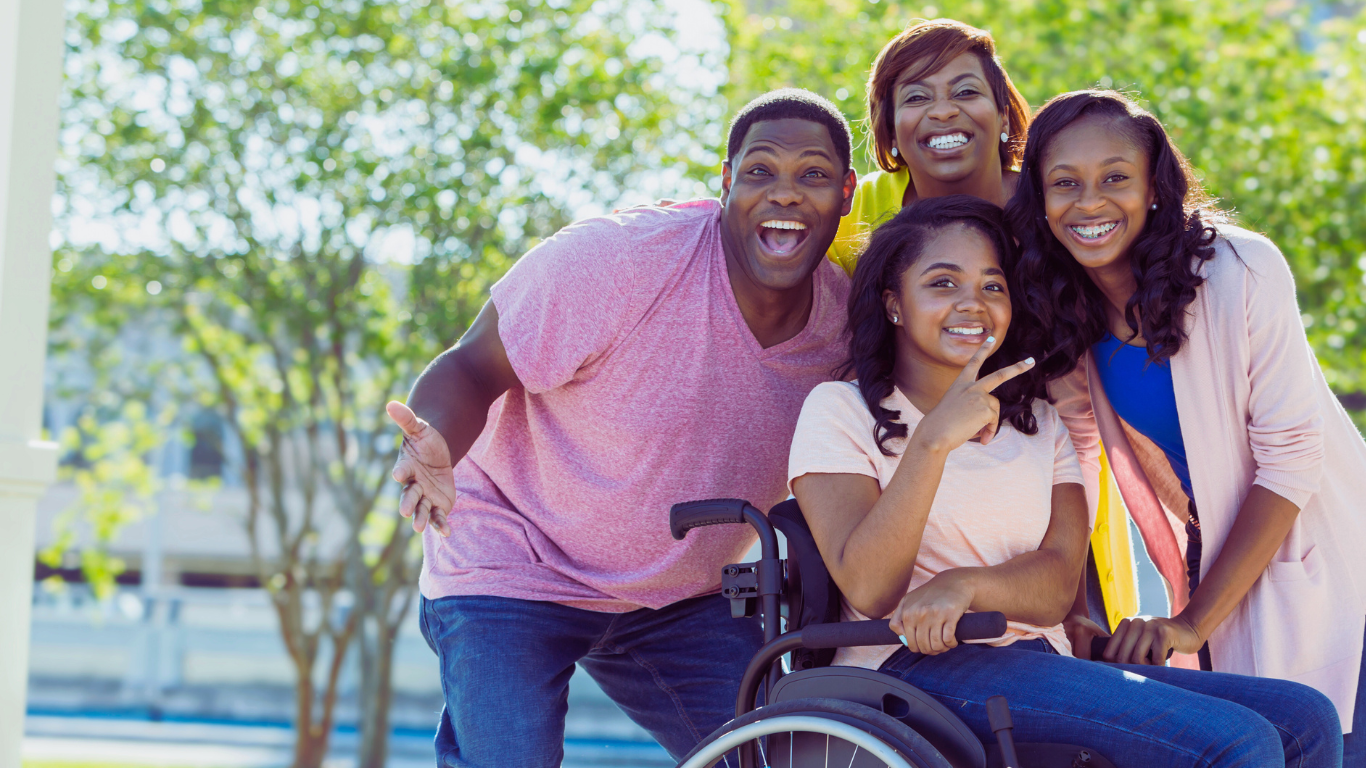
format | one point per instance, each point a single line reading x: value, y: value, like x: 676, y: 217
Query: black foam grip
x: 850, y: 634
x: 695, y: 514
x: 998, y: 714
x: 1098, y: 648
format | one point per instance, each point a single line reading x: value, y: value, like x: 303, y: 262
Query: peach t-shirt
x: 994, y: 501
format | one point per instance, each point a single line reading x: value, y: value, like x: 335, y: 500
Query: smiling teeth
x: 776, y: 224
x: 1096, y: 231
x: 967, y: 331
x: 948, y: 142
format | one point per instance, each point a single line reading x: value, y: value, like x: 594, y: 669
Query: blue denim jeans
x: 506, y: 664
x: 1137, y: 716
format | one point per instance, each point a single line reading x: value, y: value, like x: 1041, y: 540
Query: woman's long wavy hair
x: 894, y: 248
x: 1166, y: 256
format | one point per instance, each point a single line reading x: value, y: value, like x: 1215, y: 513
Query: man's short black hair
x: 796, y: 103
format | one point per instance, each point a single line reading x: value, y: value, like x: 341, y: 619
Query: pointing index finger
x: 974, y: 366
x: 997, y: 378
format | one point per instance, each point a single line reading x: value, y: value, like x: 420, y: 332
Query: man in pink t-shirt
x: 625, y: 364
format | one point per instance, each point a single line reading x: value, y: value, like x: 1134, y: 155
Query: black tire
x: 888, y: 729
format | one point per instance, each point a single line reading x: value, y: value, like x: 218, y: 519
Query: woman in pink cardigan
x: 1174, y: 342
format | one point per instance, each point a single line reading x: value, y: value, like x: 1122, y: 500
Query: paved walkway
x: 215, y: 745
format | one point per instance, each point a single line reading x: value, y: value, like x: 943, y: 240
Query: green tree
x: 316, y: 196
x: 109, y: 466
x: 1267, y: 100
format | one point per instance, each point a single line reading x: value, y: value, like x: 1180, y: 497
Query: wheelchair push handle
x: 986, y: 625
x: 694, y: 514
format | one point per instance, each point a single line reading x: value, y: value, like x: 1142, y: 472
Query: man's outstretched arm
x: 445, y: 413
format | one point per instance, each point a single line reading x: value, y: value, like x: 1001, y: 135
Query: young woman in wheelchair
x: 941, y: 482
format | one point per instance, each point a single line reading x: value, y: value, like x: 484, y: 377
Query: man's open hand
x: 424, y: 469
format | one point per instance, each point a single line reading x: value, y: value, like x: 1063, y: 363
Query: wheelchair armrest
x: 1098, y: 649
x: 850, y: 634
x: 694, y: 514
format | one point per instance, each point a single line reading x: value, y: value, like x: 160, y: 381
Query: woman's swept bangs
x: 925, y: 48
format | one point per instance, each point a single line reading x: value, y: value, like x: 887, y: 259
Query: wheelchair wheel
x: 818, y: 733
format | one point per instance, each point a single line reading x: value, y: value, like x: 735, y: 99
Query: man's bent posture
x: 627, y: 363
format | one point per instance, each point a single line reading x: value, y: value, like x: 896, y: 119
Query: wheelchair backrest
x: 810, y: 593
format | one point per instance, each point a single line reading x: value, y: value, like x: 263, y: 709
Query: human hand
x: 928, y: 615
x: 969, y: 409
x: 1149, y: 640
x: 1080, y: 630
x: 424, y: 468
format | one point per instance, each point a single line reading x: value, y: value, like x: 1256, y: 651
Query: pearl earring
x: 1004, y: 137
x: 895, y: 153
x: 895, y: 319
x: 1154, y: 206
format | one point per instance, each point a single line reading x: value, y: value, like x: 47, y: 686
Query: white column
x: 30, y: 76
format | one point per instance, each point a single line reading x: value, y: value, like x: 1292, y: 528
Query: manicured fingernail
x: 991, y: 339
x: 1029, y: 361
x: 902, y: 638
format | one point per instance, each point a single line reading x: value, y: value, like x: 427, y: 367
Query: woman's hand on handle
x: 1149, y: 640
x: 928, y: 615
x: 969, y: 409
x: 1080, y: 631
x: 425, y: 471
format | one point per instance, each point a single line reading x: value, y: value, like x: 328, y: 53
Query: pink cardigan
x: 1254, y: 409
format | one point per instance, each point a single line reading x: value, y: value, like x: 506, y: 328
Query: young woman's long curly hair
x: 894, y: 248
x: 1165, y: 258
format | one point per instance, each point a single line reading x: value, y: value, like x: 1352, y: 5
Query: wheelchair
x: 818, y: 715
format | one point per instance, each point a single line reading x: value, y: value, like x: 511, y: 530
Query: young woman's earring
x: 895, y: 319
x: 1154, y: 206
x: 1004, y: 137
x: 895, y: 153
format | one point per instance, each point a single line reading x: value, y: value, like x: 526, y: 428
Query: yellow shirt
x: 877, y: 199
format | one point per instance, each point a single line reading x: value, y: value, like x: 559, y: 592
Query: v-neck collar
x: 751, y: 341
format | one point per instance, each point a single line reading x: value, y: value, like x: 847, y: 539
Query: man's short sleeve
x: 564, y: 303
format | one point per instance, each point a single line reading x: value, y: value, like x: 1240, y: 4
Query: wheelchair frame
x: 810, y: 603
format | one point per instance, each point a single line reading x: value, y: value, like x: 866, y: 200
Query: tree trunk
x: 377, y: 692
x: 310, y: 741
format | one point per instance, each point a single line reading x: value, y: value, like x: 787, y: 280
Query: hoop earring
x: 1004, y: 137
x: 895, y: 153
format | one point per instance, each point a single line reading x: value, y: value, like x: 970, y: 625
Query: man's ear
x: 850, y: 184
x: 725, y: 181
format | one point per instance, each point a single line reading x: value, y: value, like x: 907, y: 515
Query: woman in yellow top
x: 945, y: 120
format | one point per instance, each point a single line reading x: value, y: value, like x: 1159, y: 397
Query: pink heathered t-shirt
x: 644, y: 387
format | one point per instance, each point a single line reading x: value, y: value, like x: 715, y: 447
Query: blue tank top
x: 1143, y: 395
